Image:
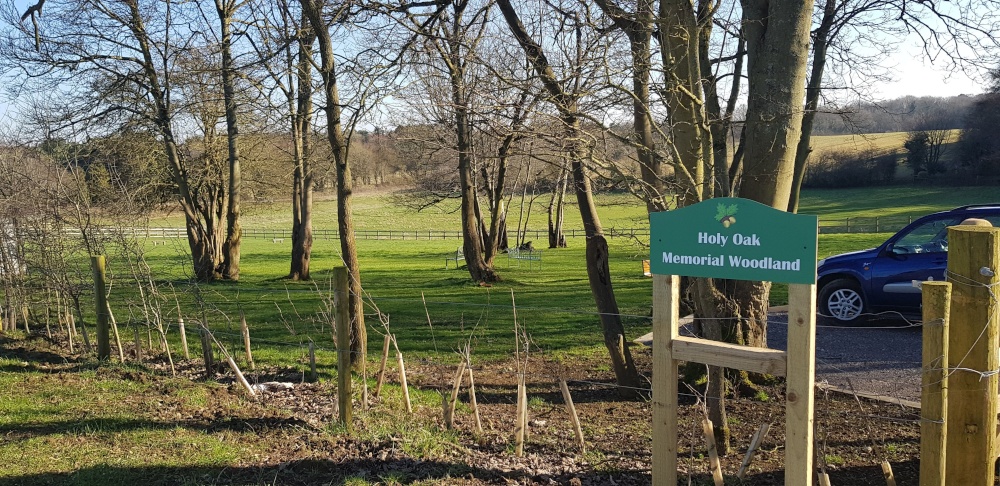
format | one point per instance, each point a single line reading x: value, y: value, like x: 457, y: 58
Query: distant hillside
x: 899, y: 115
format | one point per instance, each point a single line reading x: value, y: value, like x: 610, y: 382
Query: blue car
x: 880, y: 279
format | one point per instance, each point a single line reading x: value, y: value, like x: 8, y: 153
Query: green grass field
x: 88, y: 426
x: 399, y: 276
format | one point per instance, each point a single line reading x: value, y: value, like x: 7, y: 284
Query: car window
x: 929, y: 237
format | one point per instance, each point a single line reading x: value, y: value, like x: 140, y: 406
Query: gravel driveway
x: 882, y: 358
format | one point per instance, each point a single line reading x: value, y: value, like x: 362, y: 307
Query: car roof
x: 978, y: 206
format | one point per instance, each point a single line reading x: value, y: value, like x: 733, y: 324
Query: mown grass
x: 87, y: 427
x: 552, y: 301
x: 83, y: 427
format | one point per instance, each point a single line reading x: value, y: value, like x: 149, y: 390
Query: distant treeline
x: 905, y: 114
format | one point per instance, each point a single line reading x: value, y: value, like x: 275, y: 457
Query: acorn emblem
x: 726, y: 214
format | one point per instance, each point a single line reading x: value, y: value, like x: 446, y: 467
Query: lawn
x: 433, y: 311
x: 81, y: 422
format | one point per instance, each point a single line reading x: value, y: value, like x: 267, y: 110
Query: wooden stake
x: 118, y: 338
x: 239, y: 376
x: 83, y: 331
x: 166, y: 347
x: 206, y: 352
x: 519, y: 421
x: 97, y: 265
x: 69, y: 336
x: 934, y: 384
x: 138, y: 349
x: 890, y: 480
x: 713, y: 453
x: 824, y: 479
x: 184, y: 338
x: 364, y: 385
x: 313, y: 376
x: 246, y: 339
x: 381, y: 369
x: 48, y: 309
x: 472, y: 400
x: 571, y: 409
x: 456, y: 386
x: 402, y: 382
x: 758, y: 437
x: 343, y: 345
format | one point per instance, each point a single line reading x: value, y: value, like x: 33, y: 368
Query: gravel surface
x: 882, y: 358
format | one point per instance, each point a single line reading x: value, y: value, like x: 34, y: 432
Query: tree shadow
x: 314, y: 472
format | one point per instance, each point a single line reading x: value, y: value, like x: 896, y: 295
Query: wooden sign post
x: 704, y: 240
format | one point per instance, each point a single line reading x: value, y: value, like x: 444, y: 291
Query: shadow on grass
x: 35, y: 360
x: 400, y: 471
x: 308, y: 472
x: 100, y: 425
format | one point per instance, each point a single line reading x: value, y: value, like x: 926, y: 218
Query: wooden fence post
x: 666, y: 293
x: 800, y: 384
x: 97, y: 264
x: 934, y: 389
x: 973, y: 266
x: 343, y: 345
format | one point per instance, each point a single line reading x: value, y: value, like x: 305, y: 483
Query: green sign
x: 736, y: 239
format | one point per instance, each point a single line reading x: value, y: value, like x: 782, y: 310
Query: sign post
x: 737, y: 239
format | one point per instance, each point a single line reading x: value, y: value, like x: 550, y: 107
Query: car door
x: 918, y: 253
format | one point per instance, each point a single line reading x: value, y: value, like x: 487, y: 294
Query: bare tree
x: 566, y: 101
x: 113, y: 63
x: 367, y: 72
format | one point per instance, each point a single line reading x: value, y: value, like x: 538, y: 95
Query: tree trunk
x: 338, y: 144
x: 598, y: 272
x: 302, y: 185
x: 813, y: 89
x: 231, y: 247
x: 777, y: 36
x: 206, y: 251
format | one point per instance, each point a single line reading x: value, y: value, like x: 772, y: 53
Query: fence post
x: 97, y: 264
x: 343, y: 345
x: 934, y: 390
x: 973, y: 266
x: 666, y: 293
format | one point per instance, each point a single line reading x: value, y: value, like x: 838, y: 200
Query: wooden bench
x: 520, y: 255
x: 458, y: 256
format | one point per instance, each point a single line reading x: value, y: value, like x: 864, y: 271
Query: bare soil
x: 303, y: 446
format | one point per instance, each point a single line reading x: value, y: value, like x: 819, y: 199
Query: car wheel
x: 842, y: 300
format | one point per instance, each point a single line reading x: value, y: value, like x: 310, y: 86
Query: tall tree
x: 284, y: 45
x: 453, y: 41
x: 567, y: 103
x: 113, y: 63
x: 230, y: 268
x: 367, y: 70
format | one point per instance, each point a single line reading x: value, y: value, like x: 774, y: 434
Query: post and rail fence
x: 877, y: 224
